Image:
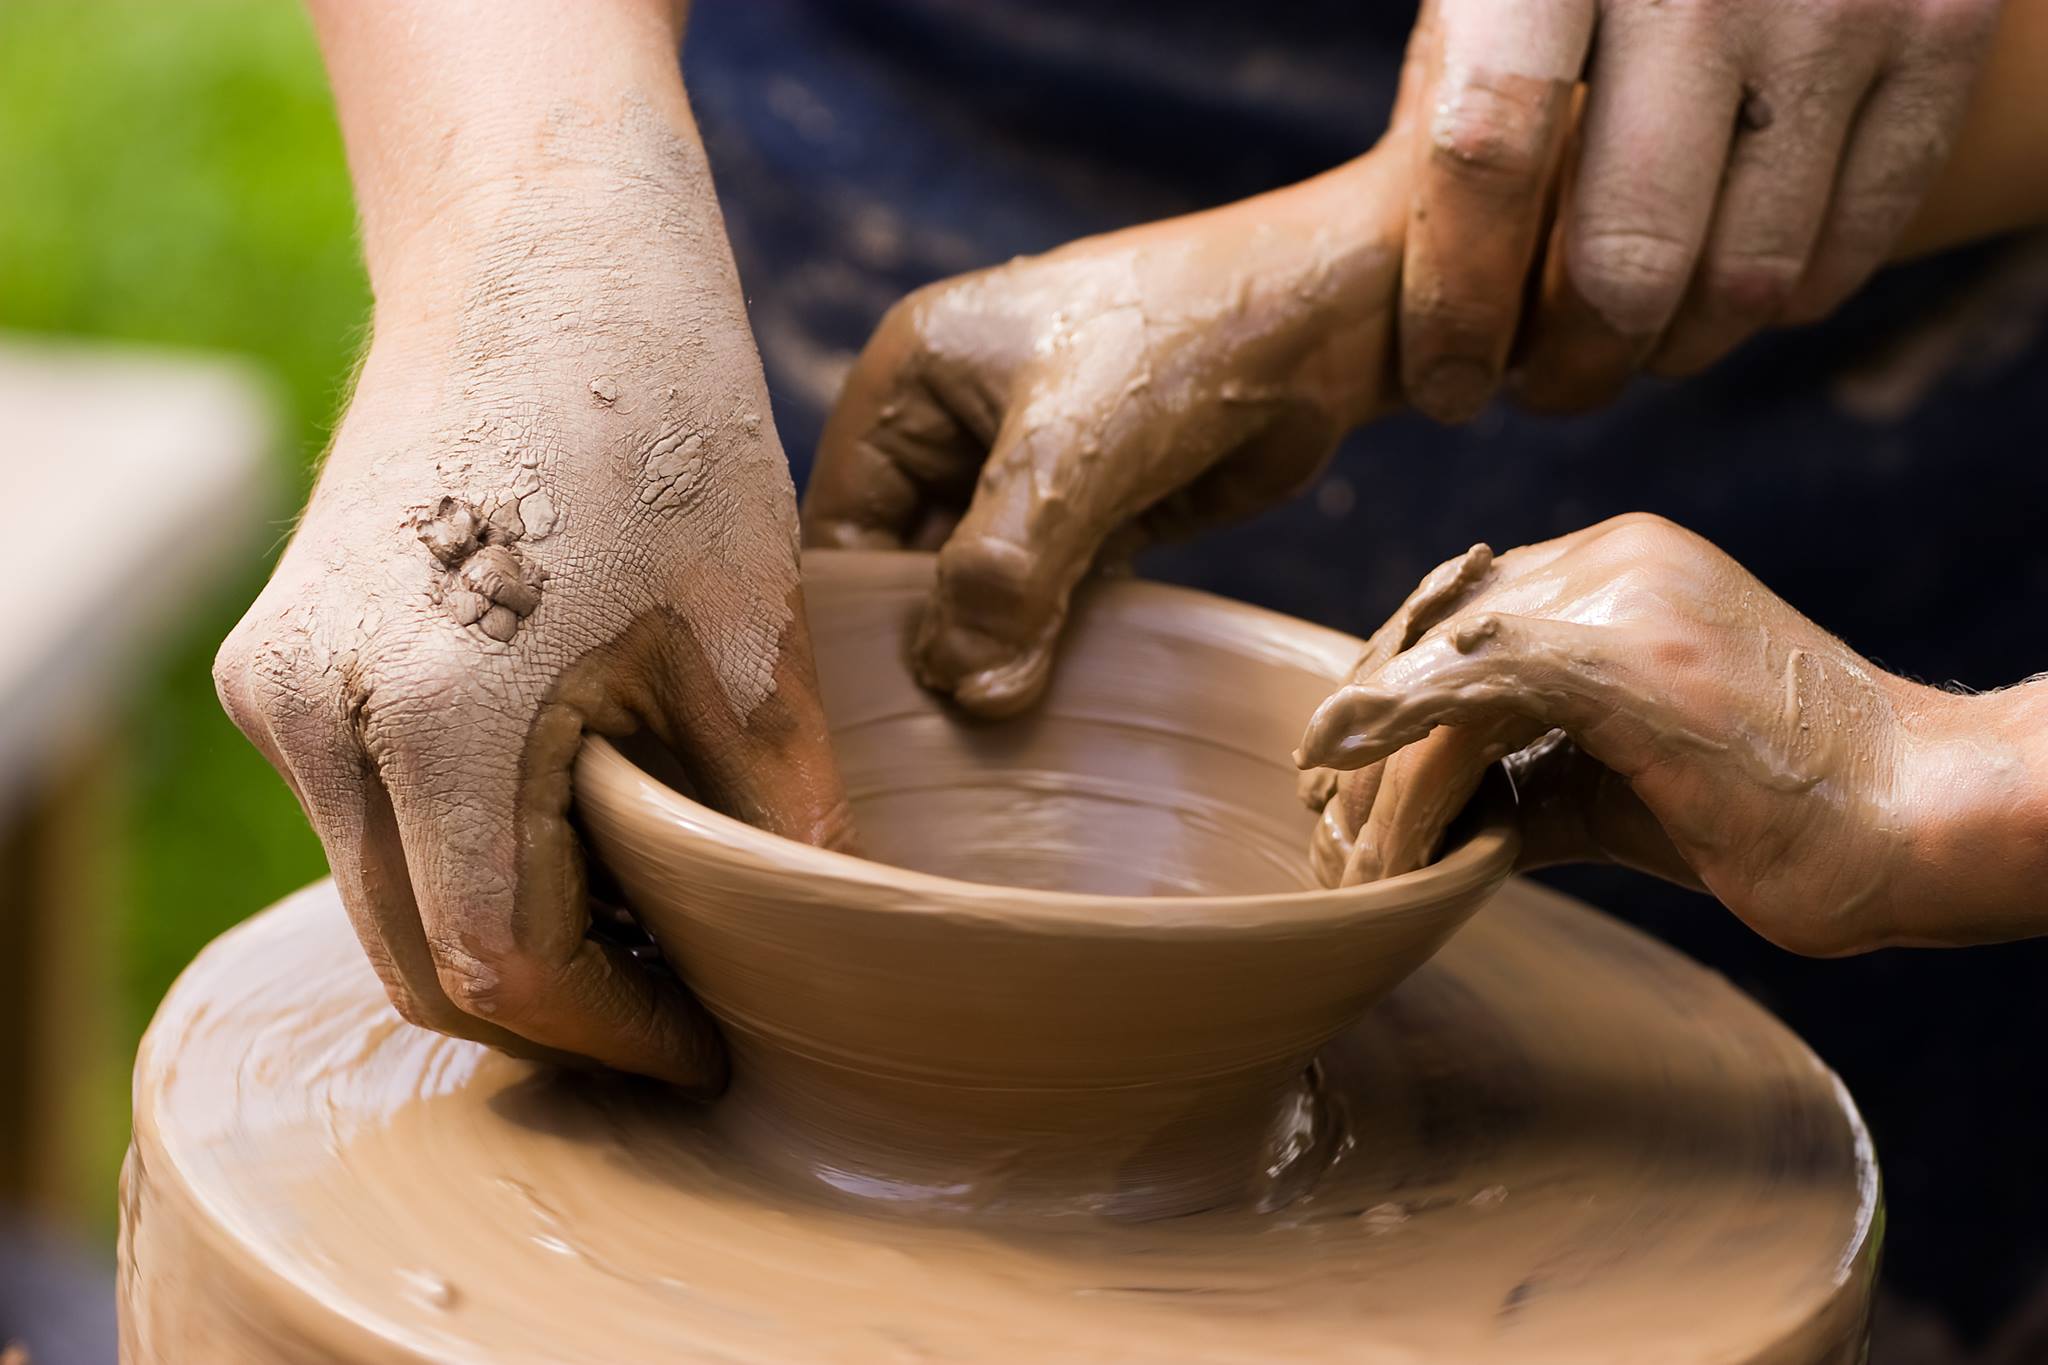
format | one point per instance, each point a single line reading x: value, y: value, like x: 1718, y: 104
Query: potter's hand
x: 1737, y: 164
x: 1066, y: 408
x: 1663, y: 709
x: 555, y: 506
x: 559, y: 518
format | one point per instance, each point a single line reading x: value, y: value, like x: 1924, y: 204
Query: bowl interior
x: 1157, y: 764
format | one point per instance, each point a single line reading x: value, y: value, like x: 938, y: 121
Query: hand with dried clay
x: 1736, y: 163
x: 1043, y: 417
x: 556, y: 506
x: 1062, y: 410
x: 1659, y: 707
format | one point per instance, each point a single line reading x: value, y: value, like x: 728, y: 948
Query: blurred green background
x: 173, y: 175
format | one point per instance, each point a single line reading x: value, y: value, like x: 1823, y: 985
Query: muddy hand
x: 1735, y: 165
x: 1661, y: 708
x: 1059, y: 410
x: 556, y: 506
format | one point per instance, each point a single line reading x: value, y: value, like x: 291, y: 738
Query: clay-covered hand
x: 1736, y: 163
x: 556, y: 506
x: 1660, y: 707
x: 1064, y: 409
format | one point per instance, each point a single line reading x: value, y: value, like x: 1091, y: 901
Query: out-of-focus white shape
x: 128, y: 478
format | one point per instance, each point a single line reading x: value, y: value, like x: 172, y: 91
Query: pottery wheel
x: 1564, y: 1142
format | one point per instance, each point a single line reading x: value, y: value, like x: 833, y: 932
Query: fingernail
x: 1453, y: 390
x: 1315, y: 787
x: 988, y: 635
x: 1320, y: 738
x: 1007, y: 688
x: 988, y: 673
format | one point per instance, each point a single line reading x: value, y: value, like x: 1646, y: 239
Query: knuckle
x: 1669, y: 651
x: 1633, y: 522
x: 1486, y: 135
x: 917, y: 324
x: 265, y: 682
x: 230, y: 677
x: 395, y: 696
x: 1457, y: 319
x: 894, y: 351
x: 1636, y: 539
x: 1906, y: 155
x: 1633, y: 276
x: 901, y: 328
x: 1804, y: 933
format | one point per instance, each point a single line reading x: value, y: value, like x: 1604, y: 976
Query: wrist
x: 598, y: 231
x: 1975, y: 792
x: 1360, y: 212
x: 450, y: 110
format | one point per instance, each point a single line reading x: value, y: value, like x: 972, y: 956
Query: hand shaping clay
x: 1555, y: 1141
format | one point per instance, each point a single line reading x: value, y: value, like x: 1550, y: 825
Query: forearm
x: 1975, y: 803
x: 538, y: 219
x: 448, y: 107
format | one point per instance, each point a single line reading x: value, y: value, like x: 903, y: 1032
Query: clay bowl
x: 1085, y: 964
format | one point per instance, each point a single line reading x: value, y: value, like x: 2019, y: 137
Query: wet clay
x: 1095, y: 966
x: 1691, y: 723
x: 1064, y: 410
x: 1561, y: 1142
x: 1057, y: 411
x: 1553, y: 1141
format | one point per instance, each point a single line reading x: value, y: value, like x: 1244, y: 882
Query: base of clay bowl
x: 1088, y: 966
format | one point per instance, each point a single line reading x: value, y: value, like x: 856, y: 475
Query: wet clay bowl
x: 1085, y: 965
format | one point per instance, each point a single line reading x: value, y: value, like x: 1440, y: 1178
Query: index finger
x: 1497, y: 101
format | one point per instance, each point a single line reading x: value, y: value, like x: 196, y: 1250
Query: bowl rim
x: 605, y: 777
